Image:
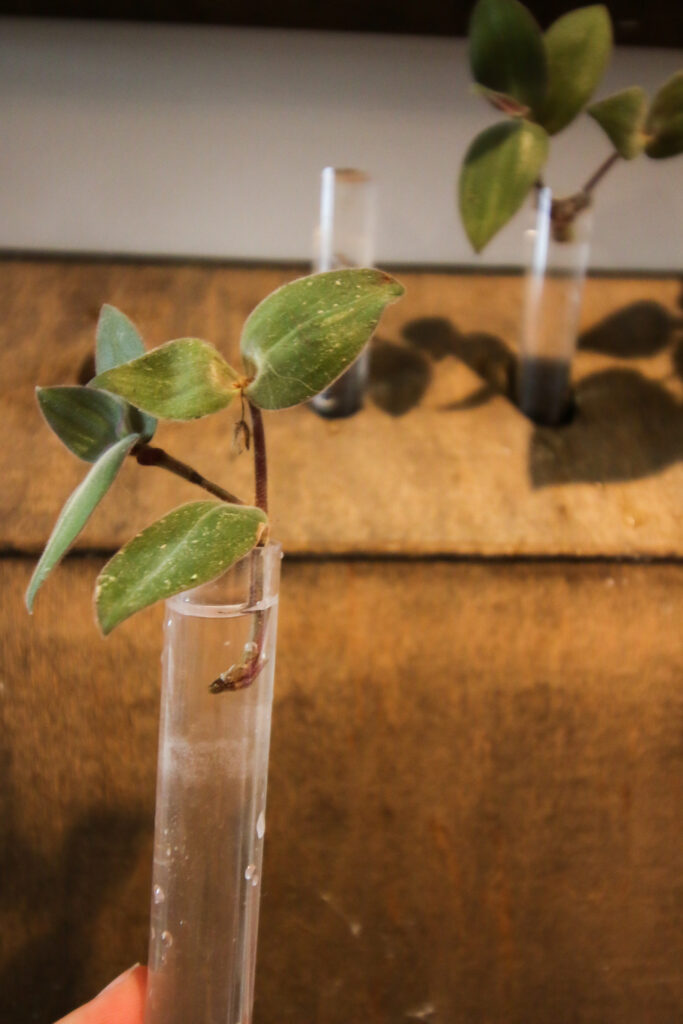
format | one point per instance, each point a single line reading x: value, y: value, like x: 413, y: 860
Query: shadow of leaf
x: 485, y: 354
x: 433, y: 335
x: 398, y: 377
x: 677, y: 358
x: 474, y: 400
x: 626, y: 427
x: 640, y: 329
x: 86, y: 370
x: 491, y: 359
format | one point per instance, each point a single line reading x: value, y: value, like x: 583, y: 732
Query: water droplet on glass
x: 167, y: 939
x: 261, y: 825
x: 159, y: 894
x: 254, y: 880
x: 168, y: 851
x: 250, y: 648
x: 249, y: 873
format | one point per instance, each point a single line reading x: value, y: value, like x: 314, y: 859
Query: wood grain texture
x: 475, y: 788
x: 438, y: 462
x: 474, y: 807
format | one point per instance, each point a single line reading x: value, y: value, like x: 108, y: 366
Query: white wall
x: 209, y: 141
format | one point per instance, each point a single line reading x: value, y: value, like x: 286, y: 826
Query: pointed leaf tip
x: 77, y: 511
x: 578, y: 47
x: 622, y: 118
x: 506, y: 51
x: 303, y: 336
x: 85, y: 420
x: 498, y: 172
x: 117, y: 339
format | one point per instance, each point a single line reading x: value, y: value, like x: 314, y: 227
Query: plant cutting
x: 214, y: 563
x: 541, y: 82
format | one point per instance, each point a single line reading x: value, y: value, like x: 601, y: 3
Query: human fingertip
x: 119, y: 980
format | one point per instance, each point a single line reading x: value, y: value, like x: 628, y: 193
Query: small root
x: 240, y: 676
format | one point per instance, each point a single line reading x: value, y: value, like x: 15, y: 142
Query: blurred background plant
x: 542, y: 82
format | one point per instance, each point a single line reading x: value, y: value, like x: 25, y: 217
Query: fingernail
x: 117, y: 981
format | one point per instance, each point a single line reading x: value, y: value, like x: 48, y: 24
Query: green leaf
x: 117, y: 341
x: 303, y: 336
x: 87, y: 421
x: 665, y: 120
x: 578, y: 46
x: 77, y: 510
x: 191, y: 545
x: 506, y: 50
x: 622, y: 118
x: 498, y: 171
x: 181, y: 380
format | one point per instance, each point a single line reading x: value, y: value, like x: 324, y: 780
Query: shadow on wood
x: 625, y: 427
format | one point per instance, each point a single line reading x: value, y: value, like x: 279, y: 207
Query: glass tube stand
x: 211, y: 796
x: 345, y: 238
x: 553, y: 289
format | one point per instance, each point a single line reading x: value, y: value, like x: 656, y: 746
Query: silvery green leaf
x: 506, y: 51
x: 303, y: 336
x: 498, y: 171
x: 665, y: 120
x: 191, y: 545
x: 578, y: 47
x: 117, y: 341
x: 622, y: 118
x: 77, y: 510
x: 181, y: 380
x: 86, y: 420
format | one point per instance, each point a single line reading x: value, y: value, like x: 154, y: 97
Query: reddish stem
x: 260, y: 461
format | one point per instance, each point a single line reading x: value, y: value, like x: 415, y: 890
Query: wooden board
x: 475, y: 795
x: 437, y: 463
x: 475, y: 791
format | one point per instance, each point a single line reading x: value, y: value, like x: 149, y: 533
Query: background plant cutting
x: 542, y: 82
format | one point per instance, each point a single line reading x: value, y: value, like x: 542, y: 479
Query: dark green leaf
x: 506, y: 50
x: 665, y: 120
x: 181, y: 380
x: 303, y: 336
x: 498, y: 171
x: 87, y: 421
x: 77, y: 510
x: 622, y: 118
x: 118, y: 341
x: 578, y: 46
x: 191, y: 545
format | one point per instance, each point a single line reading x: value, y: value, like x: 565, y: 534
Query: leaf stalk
x: 150, y: 455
